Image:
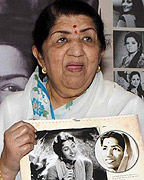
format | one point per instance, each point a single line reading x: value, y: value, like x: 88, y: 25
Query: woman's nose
x: 124, y: 3
x: 76, y: 49
x: 72, y: 151
x: 129, y: 45
x: 109, y: 153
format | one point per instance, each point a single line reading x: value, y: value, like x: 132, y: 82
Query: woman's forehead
x: 73, y: 21
x: 110, y: 141
x: 131, y: 39
x: 67, y: 142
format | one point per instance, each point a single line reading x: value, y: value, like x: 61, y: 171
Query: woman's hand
x: 141, y: 61
x: 19, y: 140
x: 69, y: 175
x: 134, y: 90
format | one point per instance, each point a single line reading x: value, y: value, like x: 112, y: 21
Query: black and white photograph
x: 128, y: 13
x: 128, y: 49
x: 15, y: 59
x: 17, y: 19
x: 132, y: 81
x: 119, y: 151
x: 76, y: 149
x: 66, y: 154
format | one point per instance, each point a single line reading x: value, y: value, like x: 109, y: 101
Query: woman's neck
x: 56, y: 99
x: 69, y: 163
x: 132, y: 54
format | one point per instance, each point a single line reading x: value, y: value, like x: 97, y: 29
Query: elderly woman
x: 70, y: 163
x: 69, y: 43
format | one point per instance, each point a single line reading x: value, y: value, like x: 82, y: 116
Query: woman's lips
x: 74, y: 67
x: 109, y: 161
x: 125, y: 9
x: 73, y: 155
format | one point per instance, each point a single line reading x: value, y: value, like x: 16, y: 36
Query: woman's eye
x: 104, y: 148
x: 129, y: 1
x: 11, y: 88
x: 116, y: 149
x: 73, y: 145
x: 89, y: 39
x: 65, y: 149
x: 62, y: 40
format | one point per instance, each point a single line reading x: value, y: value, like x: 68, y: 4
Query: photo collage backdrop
x: 128, y: 45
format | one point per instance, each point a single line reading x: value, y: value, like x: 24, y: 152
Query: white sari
x: 102, y: 98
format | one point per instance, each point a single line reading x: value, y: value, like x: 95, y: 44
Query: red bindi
x: 75, y: 32
x: 74, y: 26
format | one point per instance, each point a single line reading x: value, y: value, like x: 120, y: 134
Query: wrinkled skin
x: 19, y: 140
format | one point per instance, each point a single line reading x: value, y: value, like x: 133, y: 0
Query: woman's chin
x: 72, y: 158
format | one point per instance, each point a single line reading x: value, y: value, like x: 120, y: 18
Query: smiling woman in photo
x: 132, y: 14
x: 71, y: 164
x: 135, y: 85
x: 116, y: 151
x: 113, y: 147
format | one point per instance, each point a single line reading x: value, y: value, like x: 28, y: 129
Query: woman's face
x: 131, y: 45
x: 127, y: 5
x: 69, y: 150
x: 135, y: 80
x: 71, y: 54
x: 112, y: 153
x: 13, y: 72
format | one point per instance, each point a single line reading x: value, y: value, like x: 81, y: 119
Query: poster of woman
x: 88, y: 149
x: 66, y: 154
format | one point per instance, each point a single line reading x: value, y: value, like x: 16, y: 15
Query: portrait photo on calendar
x: 103, y: 148
x: 66, y: 153
x: 116, y: 151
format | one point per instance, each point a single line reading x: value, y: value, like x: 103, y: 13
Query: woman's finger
x: 22, y: 130
x: 19, y: 124
x: 25, y: 149
x: 28, y: 138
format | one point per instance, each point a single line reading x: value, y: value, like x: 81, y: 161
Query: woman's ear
x: 38, y: 56
x: 139, y: 45
x: 101, y: 53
